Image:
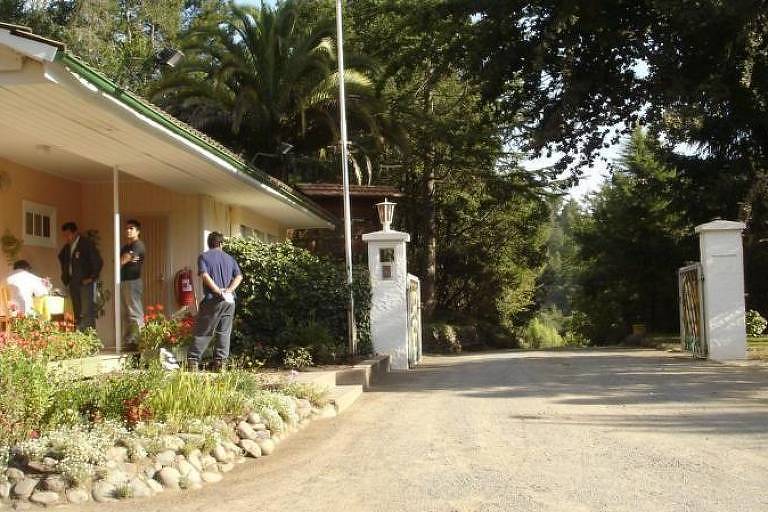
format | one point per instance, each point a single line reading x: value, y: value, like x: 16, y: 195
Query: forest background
x: 447, y: 98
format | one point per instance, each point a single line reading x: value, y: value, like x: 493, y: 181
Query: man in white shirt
x: 22, y: 286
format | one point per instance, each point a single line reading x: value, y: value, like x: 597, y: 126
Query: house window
x: 39, y: 224
x: 249, y: 231
x: 387, y: 261
x: 246, y: 231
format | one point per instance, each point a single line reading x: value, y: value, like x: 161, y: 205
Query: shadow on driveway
x: 626, y: 389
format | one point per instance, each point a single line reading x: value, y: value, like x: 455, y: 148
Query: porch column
x: 116, y: 234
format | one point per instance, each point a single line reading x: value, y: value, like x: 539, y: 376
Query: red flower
x: 159, y: 307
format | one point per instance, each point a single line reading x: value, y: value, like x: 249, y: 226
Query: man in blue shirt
x: 221, y: 276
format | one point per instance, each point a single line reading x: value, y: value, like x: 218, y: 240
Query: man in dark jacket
x: 80, y: 268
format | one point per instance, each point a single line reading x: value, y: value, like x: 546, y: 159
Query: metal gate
x: 414, y: 320
x: 692, y: 333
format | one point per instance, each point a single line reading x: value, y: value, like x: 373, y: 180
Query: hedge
x: 288, y: 295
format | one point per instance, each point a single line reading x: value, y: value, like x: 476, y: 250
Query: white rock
x: 154, y: 485
x: 23, y: 488
x: 117, y: 454
x: 139, y: 489
x: 5, y: 490
x: 232, y: 447
x: 245, y: 431
x: 184, y: 467
x: 44, y: 497
x: 193, y: 477
x: 166, y: 458
x: 207, y: 461
x: 174, y: 443
x: 195, y: 460
x: 220, y: 453
x: 131, y: 468
x: 104, y: 492
x: 54, y: 483
x: 210, y: 477
x: 77, y: 496
x: 169, y: 477
x: 226, y: 467
x: 267, y: 446
x: 117, y: 477
x: 254, y: 418
x: 14, y: 474
x: 251, y: 448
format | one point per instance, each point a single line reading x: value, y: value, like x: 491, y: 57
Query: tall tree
x: 696, y: 70
x: 631, y: 244
x: 259, y: 79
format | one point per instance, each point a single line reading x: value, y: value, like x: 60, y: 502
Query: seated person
x: 22, y: 286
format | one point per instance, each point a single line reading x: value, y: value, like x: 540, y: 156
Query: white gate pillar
x: 389, y: 290
x: 722, y: 262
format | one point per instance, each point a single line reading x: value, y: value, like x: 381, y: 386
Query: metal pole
x: 345, y: 180
x: 116, y: 248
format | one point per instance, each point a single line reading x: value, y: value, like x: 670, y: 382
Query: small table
x: 48, y: 306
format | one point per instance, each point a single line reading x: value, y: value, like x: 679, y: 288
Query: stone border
x: 147, y: 475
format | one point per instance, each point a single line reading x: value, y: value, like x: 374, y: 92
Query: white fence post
x: 722, y: 262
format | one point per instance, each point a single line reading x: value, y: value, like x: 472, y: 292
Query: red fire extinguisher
x: 185, y: 291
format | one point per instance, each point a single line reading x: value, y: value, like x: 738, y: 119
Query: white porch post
x: 116, y: 235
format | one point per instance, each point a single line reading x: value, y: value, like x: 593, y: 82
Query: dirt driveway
x: 521, y: 431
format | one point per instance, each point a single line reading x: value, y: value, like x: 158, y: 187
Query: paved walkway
x: 521, y: 431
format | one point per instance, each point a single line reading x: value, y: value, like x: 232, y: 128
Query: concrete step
x: 321, y: 378
x: 342, y: 397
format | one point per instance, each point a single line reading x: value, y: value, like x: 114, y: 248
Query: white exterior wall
x: 389, y: 305
x: 722, y: 262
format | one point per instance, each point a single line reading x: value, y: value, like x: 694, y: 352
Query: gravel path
x: 629, y: 430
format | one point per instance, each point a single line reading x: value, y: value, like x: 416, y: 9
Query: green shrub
x: 182, y: 396
x: 317, y: 395
x: 537, y: 334
x: 77, y: 449
x: 297, y: 358
x: 25, y: 394
x: 283, y: 284
x: 497, y: 336
x: 441, y: 338
x: 756, y: 324
x: 323, y: 347
x: 281, y: 404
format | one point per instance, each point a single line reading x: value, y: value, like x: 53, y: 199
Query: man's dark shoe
x: 218, y: 365
x: 193, y: 365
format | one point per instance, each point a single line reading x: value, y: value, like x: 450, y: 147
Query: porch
x: 74, y: 147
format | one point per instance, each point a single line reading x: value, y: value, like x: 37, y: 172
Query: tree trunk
x: 430, y: 240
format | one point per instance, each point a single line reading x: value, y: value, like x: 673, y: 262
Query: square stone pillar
x: 722, y: 262
x: 389, y: 289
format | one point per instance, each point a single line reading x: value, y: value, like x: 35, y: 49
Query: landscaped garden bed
x: 133, y: 433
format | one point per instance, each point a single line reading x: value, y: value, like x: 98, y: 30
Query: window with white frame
x: 249, y: 231
x: 39, y: 224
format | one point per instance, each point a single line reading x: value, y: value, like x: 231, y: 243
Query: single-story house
x: 76, y: 147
